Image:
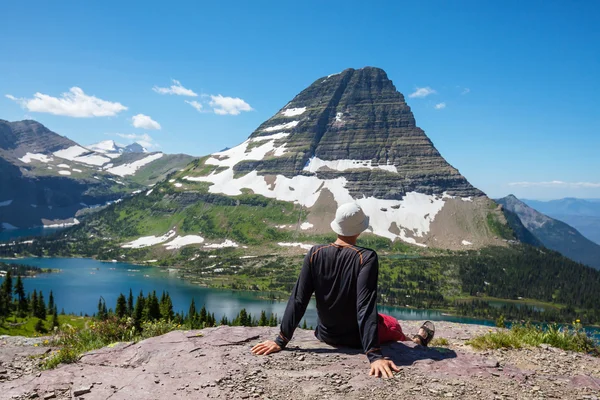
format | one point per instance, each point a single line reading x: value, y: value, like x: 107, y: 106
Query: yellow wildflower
x: 578, y: 321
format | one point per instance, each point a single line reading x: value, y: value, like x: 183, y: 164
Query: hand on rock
x: 266, y: 347
x: 383, y: 368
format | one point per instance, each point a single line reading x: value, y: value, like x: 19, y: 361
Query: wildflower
x: 578, y: 321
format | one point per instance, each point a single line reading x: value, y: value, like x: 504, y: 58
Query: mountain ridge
x: 554, y: 234
x: 47, y: 179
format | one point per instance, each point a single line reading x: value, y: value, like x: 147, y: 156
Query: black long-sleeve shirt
x: 344, y: 280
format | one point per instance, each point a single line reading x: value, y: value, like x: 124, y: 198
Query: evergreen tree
x: 41, y: 308
x: 51, y: 302
x: 138, y: 312
x: 192, y: 316
x: 54, y: 318
x: 6, y: 290
x: 263, y: 319
x: 202, y: 317
x: 166, y: 307
x: 224, y: 320
x: 22, y: 306
x: 121, y: 307
x: 62, y: 311
x: 33, y: 304
x: 304, y: 325
x: 153, y: 308
x: 273, y: 320
x: 130, y: 303
x: 100, y: 315
x: 39, y: 326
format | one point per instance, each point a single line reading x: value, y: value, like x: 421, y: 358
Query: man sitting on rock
x: 344, y: 277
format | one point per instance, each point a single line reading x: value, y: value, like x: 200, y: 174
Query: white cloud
x: 465, y: 90
x: 74, y: 103
x: 144, y: 122
x: 440, y: 106
x: 574, y: 185
x: 144, y: 139
x: 195, y: 104
x: 175, y: 88
x: 422, y: 92
x: 228, y: 105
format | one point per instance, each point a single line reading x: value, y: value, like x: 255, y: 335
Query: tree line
x: 15, y: 302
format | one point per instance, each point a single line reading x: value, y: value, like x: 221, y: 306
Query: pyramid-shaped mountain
x: 351, y: 136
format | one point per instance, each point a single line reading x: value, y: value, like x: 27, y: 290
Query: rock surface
x: 216, y: 363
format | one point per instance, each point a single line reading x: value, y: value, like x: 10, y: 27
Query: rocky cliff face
x: 554, y: 234
x: 351, y: 136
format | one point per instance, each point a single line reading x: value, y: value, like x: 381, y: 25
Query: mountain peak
x: 351, y: 136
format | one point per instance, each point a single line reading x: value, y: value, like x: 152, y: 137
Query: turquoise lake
x: 82, y: 281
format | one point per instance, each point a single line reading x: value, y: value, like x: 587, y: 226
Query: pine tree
x: 138, y: 312
x: 130, y: 303
x: 166, y: 307
x: 33, y: 304
x: 192, y: 316
x: 153, y: 307
x: 202, y: 318
x: 121, y: 307
x: 54, y: 318
x: 22, y: 306
x: 51, y: 302
x: 6, y: 290
x: 41, y: 308
x: 100, y: 315
x: 273, y: 320
x: 263, y: 319
x: 224, y: 320
x: 304, y: 325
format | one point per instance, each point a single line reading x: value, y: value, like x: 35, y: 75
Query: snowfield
x: 315, y: 163
x: 301, y: 245
x: 226, y: 243
x: 282, y: 127
x: 63, y: 225
x: 306, y: 225
x: 146, y: 241
x: 82, y: 155
x: 181, y: 241
x: 292, y: 112
x: 130, y: 169
x: 63, y: 172
x: 27, y: 158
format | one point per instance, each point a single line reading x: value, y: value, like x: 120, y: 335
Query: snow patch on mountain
x: 301, y: 245
x: 131, y: 168
x: 181, y: 241
x: 315, y: 163
x: 146, y: 241
x: 27, y: 158
x: 292, y: 112
x: 282, y: 127
x: 63, y: 172
x: 82, y: 155
x: 74, y: 222
x: 226, y: 243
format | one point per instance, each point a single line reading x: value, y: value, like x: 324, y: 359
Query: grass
x: 436, y: 342
x: 25, y: 326
x: 566, y: 338
x: 73, y: 341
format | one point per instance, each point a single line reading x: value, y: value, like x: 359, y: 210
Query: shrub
x: 571, y: 338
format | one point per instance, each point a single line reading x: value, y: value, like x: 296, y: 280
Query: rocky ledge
x: 217, y: 363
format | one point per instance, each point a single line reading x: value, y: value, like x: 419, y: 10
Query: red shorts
x: 389, y: 329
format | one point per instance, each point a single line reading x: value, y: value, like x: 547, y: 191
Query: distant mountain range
x: 554, y: 234
x: 583, y: 214
x: 46, y: 178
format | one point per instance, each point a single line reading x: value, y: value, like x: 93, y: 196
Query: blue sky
x: 529, y: 124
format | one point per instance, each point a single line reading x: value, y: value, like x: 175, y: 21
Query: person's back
x: 335, y: 271
x: 343, y: 278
